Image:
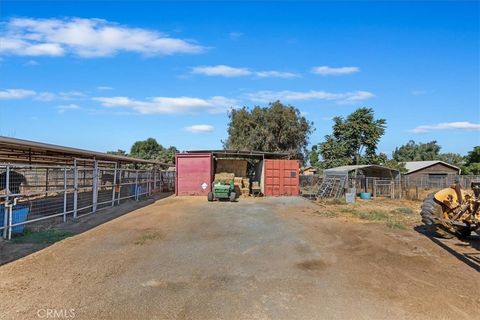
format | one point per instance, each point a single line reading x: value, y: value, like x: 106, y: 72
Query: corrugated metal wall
x: 194, y: 174
x: 281, y: 177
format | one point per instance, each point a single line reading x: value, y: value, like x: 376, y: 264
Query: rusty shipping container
x: 194, y: 174
x: 281, y: 177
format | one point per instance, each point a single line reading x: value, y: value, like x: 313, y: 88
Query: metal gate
x: 383, y: 188
x: 94, y: 185
x: 105, y: 183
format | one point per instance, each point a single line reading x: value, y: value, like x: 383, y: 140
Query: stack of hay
x: 224, y: 177
x: 246, y: 187
x: 240, y: 184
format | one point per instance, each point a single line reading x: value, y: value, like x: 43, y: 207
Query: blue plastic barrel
x: 365, y: 195
x: 19, y: 215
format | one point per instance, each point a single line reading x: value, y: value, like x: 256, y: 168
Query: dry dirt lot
x: 271, y: 258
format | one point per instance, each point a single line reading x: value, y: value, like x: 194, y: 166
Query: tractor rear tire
x: 233, y: 196
x: 210, y: 196
x: 432, y: 214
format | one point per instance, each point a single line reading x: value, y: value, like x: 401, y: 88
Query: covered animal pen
x: 380, y: 181
x: 265, y: 173
x: 42, y: 184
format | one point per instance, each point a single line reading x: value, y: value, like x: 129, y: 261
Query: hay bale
x: 224, y: 177
x: 237, y: 167
x: 245, y: 192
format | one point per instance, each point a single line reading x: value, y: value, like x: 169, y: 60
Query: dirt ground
x: 10, y: 251
x: 270, y: 258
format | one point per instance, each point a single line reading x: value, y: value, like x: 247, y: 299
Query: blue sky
x: 101, y: 75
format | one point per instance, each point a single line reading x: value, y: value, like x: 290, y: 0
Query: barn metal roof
x: 26, y: 151
x: 373, y: 169
x: 242, y: 153
x: 359, y: 166
x: 413, y: 166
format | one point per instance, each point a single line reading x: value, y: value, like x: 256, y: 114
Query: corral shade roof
x: 370, y: 170
x: 26, y: 151
x: 413, y: 166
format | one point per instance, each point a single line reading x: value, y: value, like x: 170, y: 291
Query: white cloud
x: 85, y: 38
x: 170, y: 105
x: 221, y: 70
x: 104, y: 88
x: 67, y: 95
x: 45, y: 96
x: 31, y: 63
x: 327, y: 71
x: 200, y: 128
x: 286, y: 95
x: 235, y: 35
x: 418, y: 92
x: 71, y: 95
x: 230, y: 72
x: 460, y: 125
x: 68, y: 107
x: 9, y: 94
x: 276, y: 74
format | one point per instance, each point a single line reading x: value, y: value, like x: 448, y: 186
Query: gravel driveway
x: 270, y: 258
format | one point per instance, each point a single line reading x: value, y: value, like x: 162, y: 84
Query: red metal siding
x: 281, y: 178
x: 193, y: 170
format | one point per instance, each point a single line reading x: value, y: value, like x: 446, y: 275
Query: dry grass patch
x: 147, y: 237
x: 395, y: 214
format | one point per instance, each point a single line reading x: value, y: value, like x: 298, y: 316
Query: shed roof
x: 26, y: 151
x: 233, y: 153
x: 373, y: 170
x: 413, y: 166
x: 359, y: 166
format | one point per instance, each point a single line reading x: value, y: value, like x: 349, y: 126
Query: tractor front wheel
x: 432, y: 215
x: 210, y: 196
x: 233, y: 196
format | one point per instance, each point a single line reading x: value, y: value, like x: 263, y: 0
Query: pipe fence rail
x: 35, y: 193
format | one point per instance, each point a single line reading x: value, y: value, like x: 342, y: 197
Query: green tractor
x: 222, y: 190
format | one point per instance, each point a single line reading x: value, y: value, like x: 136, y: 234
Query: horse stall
x: 43, y: 184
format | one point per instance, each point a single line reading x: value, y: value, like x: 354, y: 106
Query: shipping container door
x: 194, y: 174
x: 281, y: 177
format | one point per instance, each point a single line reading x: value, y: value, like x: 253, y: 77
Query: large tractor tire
x: 210, y: 196
x: 432, y: 217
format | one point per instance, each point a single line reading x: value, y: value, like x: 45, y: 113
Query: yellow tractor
x: 449, y: 212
